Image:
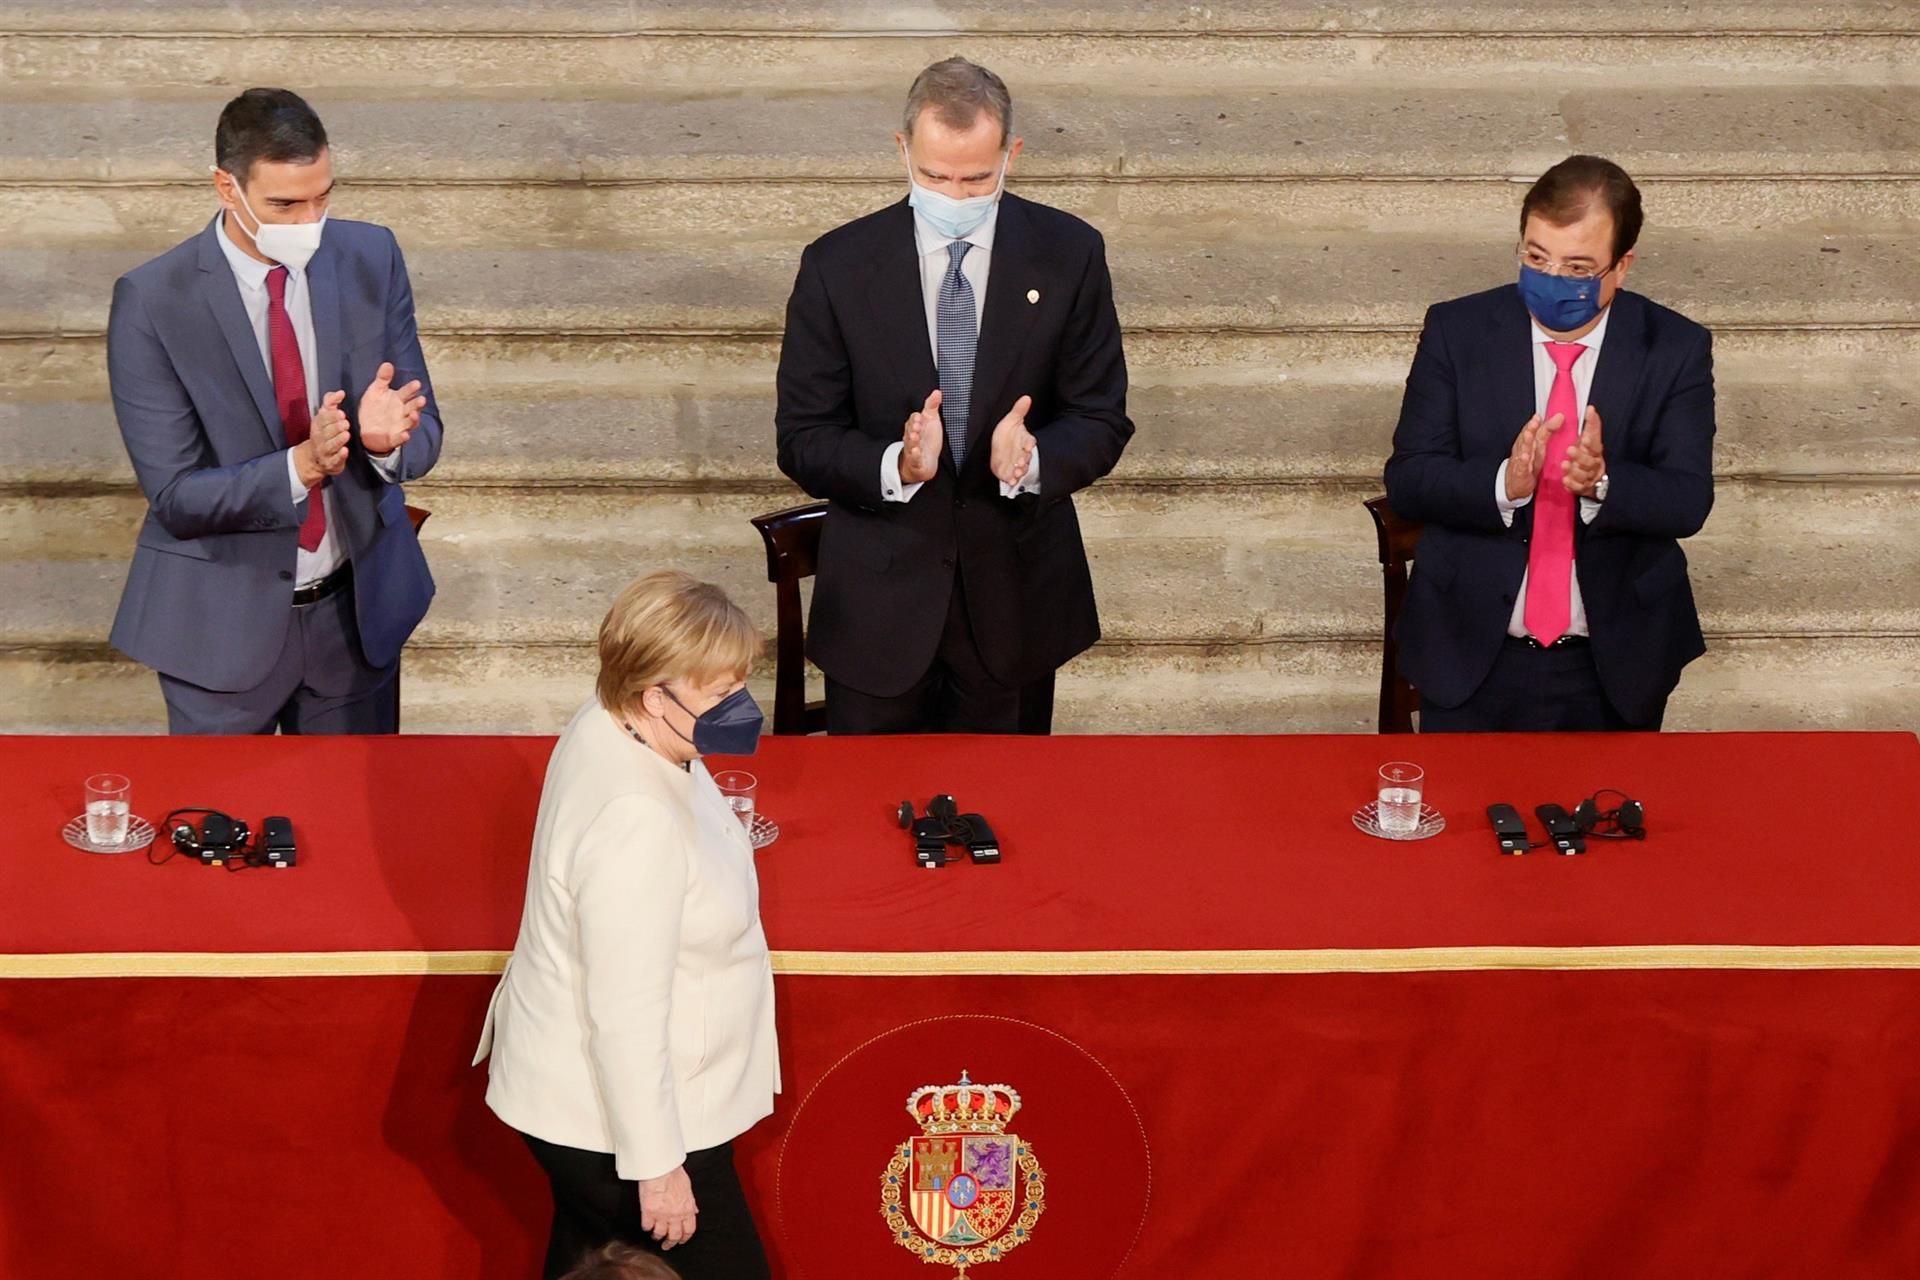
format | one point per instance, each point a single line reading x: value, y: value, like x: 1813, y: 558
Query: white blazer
x: 635, y: 1015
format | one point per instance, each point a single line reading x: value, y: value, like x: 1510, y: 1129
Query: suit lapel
x: 222, y: 293
x: 1514, y: 399
x: 323, y: 298
x: 1007, y: 318
x: 899, y: 306
x: 1616, y: 378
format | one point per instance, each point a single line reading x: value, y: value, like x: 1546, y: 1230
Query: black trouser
x: 1534, y: 690
x: 593, y: 1205
x: 956, y: 695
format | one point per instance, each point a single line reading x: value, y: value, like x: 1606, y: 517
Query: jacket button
x: 286, y: 575
x: 946, y: 562
x: 960, y: 502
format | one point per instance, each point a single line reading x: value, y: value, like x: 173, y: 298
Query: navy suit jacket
x: 855, y: 363
x: 209, y: 595
x: 1470, y: 391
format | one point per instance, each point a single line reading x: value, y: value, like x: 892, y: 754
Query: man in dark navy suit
x: 951, y: 375
x: 1556, y: 440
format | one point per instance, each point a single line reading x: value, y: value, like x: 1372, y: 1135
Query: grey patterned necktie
x: 959, y: 332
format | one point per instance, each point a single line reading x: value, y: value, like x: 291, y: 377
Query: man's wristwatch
x: 1600, y: 489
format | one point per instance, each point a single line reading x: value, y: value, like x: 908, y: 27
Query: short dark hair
x: 1564, y: 194
x: 957, y: 91
x: 275, y: 125
x: 618, y: 1261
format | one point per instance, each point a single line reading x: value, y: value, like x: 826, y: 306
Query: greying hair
x: 957, y: 91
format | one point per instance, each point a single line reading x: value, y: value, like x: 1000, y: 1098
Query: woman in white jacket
x: 632, y: 1033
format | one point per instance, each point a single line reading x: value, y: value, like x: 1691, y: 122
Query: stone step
x: 1293, y: 687
x: 150, y: 217
x: 1164, y: 278
x: 419, y: 64
x: 1211, y: 409
x: 839, y: 17
x: 1495, y: 125
x: 1226, y: 566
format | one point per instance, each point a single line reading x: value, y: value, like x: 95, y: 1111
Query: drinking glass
x: 1400, y: 786
x: 109, y: 806
x: 739, y: 788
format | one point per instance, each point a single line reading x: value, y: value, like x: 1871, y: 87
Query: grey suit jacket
x: 209, y: 595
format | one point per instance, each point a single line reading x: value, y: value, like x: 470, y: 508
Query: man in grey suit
x: 269, y: 384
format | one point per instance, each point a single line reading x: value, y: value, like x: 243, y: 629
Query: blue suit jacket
x: 1469, y: 393
x: 209, y: 596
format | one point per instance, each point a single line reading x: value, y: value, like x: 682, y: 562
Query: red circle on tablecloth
x: 1074, y: 1117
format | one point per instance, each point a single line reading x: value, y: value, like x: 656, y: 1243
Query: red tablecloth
x: 419, y: 843
x: 1196, y: 915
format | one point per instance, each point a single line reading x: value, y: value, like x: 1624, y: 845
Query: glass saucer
x: 139, y: 836
x: 1367, y: 818
x: 763, y: 832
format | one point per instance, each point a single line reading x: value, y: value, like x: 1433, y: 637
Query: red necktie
x: 1550, y: 553
x: 290, y: 393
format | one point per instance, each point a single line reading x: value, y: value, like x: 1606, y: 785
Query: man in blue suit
x: 1556, y: 440
x: 269, y: 384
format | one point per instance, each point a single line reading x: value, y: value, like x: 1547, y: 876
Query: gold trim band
x: 909, y: 964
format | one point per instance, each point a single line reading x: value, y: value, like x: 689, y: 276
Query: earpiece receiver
x: 1611, y: 815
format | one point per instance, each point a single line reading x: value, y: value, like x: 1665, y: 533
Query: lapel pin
x: 1033, y: 295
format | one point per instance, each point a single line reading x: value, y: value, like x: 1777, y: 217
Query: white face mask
x: 953, y: 218
x: 291, y: 243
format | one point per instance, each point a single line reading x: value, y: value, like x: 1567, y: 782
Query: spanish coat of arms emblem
x: 965, y: 1191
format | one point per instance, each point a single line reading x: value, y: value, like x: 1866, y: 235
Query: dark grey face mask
x: 730, y: 727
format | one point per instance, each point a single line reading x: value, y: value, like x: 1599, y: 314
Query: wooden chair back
x: 793, y: 552
x: 1398, y: 537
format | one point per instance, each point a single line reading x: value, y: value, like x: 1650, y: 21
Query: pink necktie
x: 290, y: 393
x: 1550, y: 553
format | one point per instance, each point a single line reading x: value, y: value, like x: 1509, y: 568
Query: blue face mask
x: 730, y: 727
x: 954, y: 219
x: 1560, y: 303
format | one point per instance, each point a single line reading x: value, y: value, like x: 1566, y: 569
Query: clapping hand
x: 1529, y: 456
x: 922, y: 439
x: 1013, y: 444
x: 388, y: 414
x: 324, y: 452
x: 1586, y: 463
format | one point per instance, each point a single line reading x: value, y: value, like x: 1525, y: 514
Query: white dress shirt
x: 251, y: 274
x: 635, y: 1015
x: 934, y: 259
x: 1544, y: 371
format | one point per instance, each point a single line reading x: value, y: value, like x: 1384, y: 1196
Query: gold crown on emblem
x: 964, y: 1107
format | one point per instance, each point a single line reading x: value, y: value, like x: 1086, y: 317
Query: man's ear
x: 1626, y: 262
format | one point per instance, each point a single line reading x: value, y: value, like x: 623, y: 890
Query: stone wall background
x: 603, y: 205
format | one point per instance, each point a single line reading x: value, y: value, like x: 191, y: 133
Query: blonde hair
x: 671, y: 626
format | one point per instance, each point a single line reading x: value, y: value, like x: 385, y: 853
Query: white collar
x: 247, y: 269
x: 1591, y: 341
x: 930, y: 242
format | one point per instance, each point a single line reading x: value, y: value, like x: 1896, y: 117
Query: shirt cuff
x: 388, y: 467
x: 1029, y: 483
x: 1507, y: 505
x: 298, y: 490
x: 1588, y: 510
x: 892, y: 488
